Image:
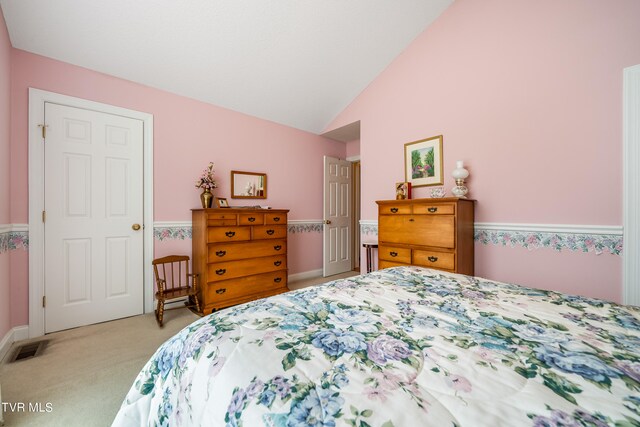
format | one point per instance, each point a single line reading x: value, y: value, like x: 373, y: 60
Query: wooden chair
x: 174, y: 281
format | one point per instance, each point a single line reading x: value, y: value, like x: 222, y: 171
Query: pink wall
x: 353, y: 148
x: 5, y: 122
x: 187, y: 135
x: 529, y: 95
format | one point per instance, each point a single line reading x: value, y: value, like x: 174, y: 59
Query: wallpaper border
x: 13, y: 237
x: 577, y: 238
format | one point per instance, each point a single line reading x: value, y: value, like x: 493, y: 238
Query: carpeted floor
x: 83, y: 374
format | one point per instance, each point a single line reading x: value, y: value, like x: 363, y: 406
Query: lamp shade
x: 460, y: 172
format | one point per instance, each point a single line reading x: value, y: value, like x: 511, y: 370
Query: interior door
x: 94, y: 211
x: 337, y: 236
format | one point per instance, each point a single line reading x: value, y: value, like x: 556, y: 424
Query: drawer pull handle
x: 230, y: 233
x: 221, y: 291
x: 411, y: 219
x: 252, y: 219
x: 270, y: 232
x: 221, y: 253
x: 394, y: 254
x: 432, y: 209
x: 277, y: 263
x: 277, y: 247
x: 278, y: 279
x: 220, y: 271
x: 276, y: 219
x: 433, y: 258
x: 394, y: 210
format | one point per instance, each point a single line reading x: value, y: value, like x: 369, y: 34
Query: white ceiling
x: 295, y: 62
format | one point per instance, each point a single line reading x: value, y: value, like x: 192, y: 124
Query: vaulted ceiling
x: 294, y: 62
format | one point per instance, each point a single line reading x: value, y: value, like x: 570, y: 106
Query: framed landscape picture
x: 423, y: 162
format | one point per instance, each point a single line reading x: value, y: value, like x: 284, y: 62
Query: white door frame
x: 631, y: 186
x: 37, y: 99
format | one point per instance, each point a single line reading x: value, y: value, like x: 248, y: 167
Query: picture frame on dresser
x: 403, y: 190
x: 423, y: 164
x: 221, y: 202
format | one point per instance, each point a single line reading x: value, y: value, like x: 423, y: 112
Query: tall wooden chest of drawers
x: 239, y: 254
x: 434, y: 233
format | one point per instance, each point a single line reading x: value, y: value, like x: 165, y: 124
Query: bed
x: 404, y: 346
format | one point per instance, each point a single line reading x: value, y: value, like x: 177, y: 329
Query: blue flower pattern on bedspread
x: 399, y: 347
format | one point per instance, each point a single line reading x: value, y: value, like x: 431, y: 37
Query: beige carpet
x: 83, y: 374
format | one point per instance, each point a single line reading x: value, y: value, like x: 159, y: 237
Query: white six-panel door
x: 337, y: 217
x: 93, y: 203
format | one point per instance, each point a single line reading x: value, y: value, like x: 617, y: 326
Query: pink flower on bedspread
x: 431, y: 353
x: 458, y: 383
x: 487, y: 355
x: 388, y: 380
x: 375, y: 394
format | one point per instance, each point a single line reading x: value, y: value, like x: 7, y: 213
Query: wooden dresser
x: 240, y: 255
x: 434, y: 233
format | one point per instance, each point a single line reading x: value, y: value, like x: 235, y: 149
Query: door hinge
x: 44, y: 130
x: 44, y: 301
x: 44, y: 216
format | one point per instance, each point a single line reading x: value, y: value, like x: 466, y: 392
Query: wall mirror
x: 248, y: 185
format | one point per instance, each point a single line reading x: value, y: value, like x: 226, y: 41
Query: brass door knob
x: 136, y: 227
x: 327, y: 221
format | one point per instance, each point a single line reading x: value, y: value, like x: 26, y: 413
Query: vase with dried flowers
x: 207, y: 183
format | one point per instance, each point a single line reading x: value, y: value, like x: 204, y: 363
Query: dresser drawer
x: 434, y: 209
x: 390, y: 253
x: 275, y: 218
x: 245, y: 287
x: 425, y: 230
x: 217, y: 219
x: 251, y: 219
x: 443, y: 260
x: 386, y: 264
x: 395, y: 209
x: 222, y: 252
x: 228, y: 234
x: 269, y: 232
x: 232, y: 269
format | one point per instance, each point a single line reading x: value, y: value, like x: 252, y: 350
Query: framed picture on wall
x: 423, y: 162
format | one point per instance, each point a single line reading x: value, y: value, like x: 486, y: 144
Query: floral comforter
x: 399, y: 347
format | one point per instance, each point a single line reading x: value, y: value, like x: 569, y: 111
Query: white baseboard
x: 312, y: 274
x: 18, y: 333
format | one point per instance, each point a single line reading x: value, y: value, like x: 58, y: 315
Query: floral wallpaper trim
x: 172, y: 232
x: 596, y: 243
x: 596, y: 239
x: 369, y: 227
x: 304, y: 226
x: 13, y: 240
x: 182, y: 230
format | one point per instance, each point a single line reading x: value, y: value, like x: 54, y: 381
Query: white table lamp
x: 460, y: 174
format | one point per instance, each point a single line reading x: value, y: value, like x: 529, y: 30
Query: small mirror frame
x: 262, y: 194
